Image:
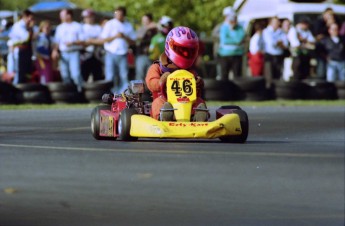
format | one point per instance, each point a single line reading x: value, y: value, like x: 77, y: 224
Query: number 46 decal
x: 186, y: 87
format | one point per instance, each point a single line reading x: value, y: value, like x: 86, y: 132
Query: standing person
x: 231, y: 46
x: 256, y: 51
x: 44, y: 45
x: 69, y: 41
x: 89, y: 62
x: 342, y: 29
x: 144, y: 35
x: 216, y: 36
x: 321, y: 24
x: 334, y: 44
x: 275, y: 43
x: 157, y: 44
x: 302, y: 44
x: 320, y: 31
x: 117, y: 35
x: 286, y: 25
x: 21, y: 37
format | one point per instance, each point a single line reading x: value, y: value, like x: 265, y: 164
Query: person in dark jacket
x: 320, y: 31
x: 335, y: 48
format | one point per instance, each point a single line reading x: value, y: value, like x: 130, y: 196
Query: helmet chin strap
x: 166, y: 64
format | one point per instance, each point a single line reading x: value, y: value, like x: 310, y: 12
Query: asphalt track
x: 290, y: 172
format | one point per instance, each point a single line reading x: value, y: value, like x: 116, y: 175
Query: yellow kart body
x: 145, y: 126
x: 181, y: 93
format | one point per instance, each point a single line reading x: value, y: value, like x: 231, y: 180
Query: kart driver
x: 181, y: 50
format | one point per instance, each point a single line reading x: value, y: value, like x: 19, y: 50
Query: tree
x: 16, y: 5
x: 201, y: 15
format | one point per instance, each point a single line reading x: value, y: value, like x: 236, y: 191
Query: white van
x: 250, y: 11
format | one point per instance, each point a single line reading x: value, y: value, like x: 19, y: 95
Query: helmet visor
x: 185, y: 52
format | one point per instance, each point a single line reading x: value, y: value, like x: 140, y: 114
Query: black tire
x: 67, y: 97
x: 98, y: 85
x: 31, y: 87
x: 291, y: 90
x: 244, y: 126
x: 258, y: 95
x: 320, y: 90
x: 61, y: 87
x: 250, y: 84
x: 217, y: 95
x: 95, y: 122
x: 94, y: 95
x: 37, y: 97
x: 10, y: 94
x: 215, y: 84
x: 341, y: 94
x: 220, y: 90
x: 124, y: 125
x: 339, y: 84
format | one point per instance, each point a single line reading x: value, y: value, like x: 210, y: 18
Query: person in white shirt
x: 117, y: 35
x: 302, y: 43
x: 69, y: 40
x: 256, y: 51
x: 275, y: 42
x: 90, y: 64
x: 20, y: 42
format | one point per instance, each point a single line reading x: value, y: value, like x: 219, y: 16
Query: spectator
x: 231, y: 46
x: 302, y: 44
x: 320, y: 31
x: 144, y: 35
x: 215, y: 38
x: 334, y: 44
x: 157, y: 45
x: 275, y: 43
x: 320, y: 26
x: 286, y: 25
x: 21, y: 37
x: 342, y: 29
x: 90, y: 64
x: 69, y: 39
x: 256, y: 51
x: 117, y: 35
x: 44, y: 43
x: 5, y: 28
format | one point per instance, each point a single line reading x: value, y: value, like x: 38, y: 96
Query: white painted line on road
x: 262, y: 154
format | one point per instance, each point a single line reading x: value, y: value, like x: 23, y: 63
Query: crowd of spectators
x: 79, y: 52
x: 322, y: 40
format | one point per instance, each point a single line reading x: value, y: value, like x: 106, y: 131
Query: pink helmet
x: 182, y: 46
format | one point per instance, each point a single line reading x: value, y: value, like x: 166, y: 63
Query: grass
x: 271, y: 103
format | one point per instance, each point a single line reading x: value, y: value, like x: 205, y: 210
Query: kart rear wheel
x: 244, y: 126
x: 95, y: 122
x: 124, y: 125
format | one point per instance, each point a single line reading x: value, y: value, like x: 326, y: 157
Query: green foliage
x: 201, y: 15
x: 16, y: 5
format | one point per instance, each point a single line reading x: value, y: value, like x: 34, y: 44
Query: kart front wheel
x: 95, y: 121
x: 124, y: 125
x: 244, y: 126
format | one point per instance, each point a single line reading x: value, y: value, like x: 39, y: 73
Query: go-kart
x: 127, y: 117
